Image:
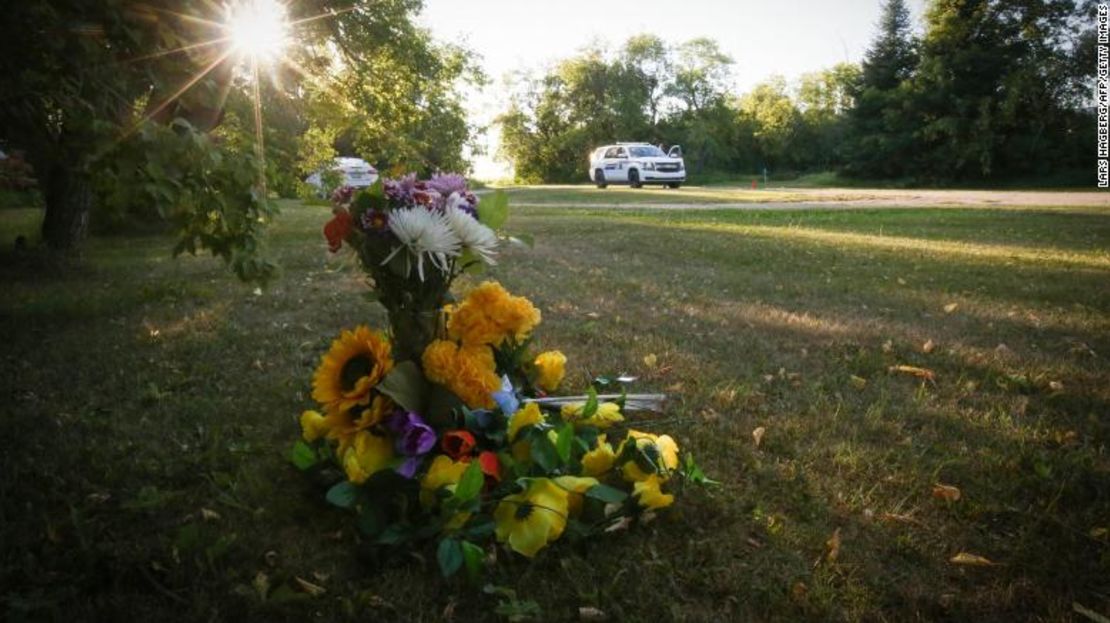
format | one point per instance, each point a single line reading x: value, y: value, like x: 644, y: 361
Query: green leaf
x: 544, y: 452
x: 406, y: 386
x: 564, y: 442
x: 590, y: 408
x: 470, y: 484
x: 343, y: 494
x: 371, y: 520
x: 494, y: 211
x: 607, y: 494
x: 473, y: 555
x: 450, y: 557
x: 303, y: 456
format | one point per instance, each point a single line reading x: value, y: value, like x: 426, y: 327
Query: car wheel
x: 675, y: 184
x: 634, y: 179
x: 599, y: 178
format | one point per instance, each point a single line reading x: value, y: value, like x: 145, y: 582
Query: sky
x: 764, y: 38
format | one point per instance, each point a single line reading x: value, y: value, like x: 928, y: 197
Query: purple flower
x: 414, y: 436
x: 447, y: 183
x: 375, y: 221
x: 400, y: 190
x: 342, y: 195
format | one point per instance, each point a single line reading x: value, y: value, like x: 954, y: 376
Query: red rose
x: 457, y: 444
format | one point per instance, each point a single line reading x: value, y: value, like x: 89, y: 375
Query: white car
x: 637, y: 164
x: 356, y: 172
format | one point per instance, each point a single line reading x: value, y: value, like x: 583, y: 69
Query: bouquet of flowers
x: 443, y: 428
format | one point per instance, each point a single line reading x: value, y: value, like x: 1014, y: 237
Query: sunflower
x: 355, y: 363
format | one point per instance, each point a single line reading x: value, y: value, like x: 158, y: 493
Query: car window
x: 622, y: 153
x: 611, y: 152
x: 646, y: 151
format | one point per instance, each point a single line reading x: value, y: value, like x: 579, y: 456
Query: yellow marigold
x: 551, y: 367
x: 607, y: 414
x: 468, y: 371
x: 367, y: 454
x: 355, y: 363
x: 662, y: 448
x: 648, y: 492
x: 489, y: 315
x: 599, y: 460
x: 313, y: 425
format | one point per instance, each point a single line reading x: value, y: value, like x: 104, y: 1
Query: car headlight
x: 648, y: 166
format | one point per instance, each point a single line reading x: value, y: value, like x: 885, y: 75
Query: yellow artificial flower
x: 650, y: 495
x: 368, y: 453
x: 343, y: 425
x: 607, y: 414
x: 530, y: 520
x: 355, y: 363
x: 663, y: 446
x: 443, y: 472
x: 470, y: 372
x: 599, y: 460
x: 551, y: 367
x: 313, y: 425
x: 530, y: 415
x: 489, y: 315
x: 576, y: 488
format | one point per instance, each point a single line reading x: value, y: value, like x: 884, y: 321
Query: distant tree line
x: 992, y: 90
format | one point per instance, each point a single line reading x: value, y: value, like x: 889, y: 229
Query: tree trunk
x: 68, y: 196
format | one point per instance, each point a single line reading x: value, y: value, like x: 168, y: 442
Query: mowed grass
x: 151, y: 402
x: 559, y: 194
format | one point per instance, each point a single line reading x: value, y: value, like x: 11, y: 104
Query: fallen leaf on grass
x: 757, y: 435
x: 650, y: 360
x: 589, y: 613
x: 1098, y: 533
x: 951, y: 307
x: 928, y: 346
x: 888, y: 346
x: 971, y: 560
x: 832, y: 547
x: 209, y: 515
x: 858, y: 381
x: 1056, y: 386
x: 899, y: 518
x: 948, y: 493
x: 799, y: 591
x: 921, y: 373
x: 312, y: 589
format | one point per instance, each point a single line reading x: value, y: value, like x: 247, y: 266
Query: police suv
x: 637, y: 164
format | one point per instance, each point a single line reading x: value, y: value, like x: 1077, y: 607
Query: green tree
x: 81, y: 81
x: 881, y: 139
x: 991, y: 91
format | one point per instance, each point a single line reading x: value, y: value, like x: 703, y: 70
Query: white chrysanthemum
x: 423, y: 232
x: 474, y: 236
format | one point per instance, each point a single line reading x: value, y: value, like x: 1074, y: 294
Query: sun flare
x: 258, y: 29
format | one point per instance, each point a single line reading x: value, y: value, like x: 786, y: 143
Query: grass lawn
x: 151, y: 404
x: 557, y: 194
